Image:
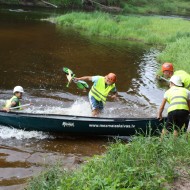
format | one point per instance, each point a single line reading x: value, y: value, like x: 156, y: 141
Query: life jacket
x: 177, y: 98
x: 100, y: 91
x: 8, y: 102
x: 185, y: 78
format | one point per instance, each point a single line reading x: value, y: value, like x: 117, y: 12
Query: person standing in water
x: 102, y: 86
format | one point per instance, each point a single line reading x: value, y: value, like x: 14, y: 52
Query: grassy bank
x: 177, y: 7
x: 151, y: 30
x: 177, y: 53
x: 172, y: 33
x: 145, y: 163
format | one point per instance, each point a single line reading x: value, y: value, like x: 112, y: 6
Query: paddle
x: 162, y: 78
x: 25, y: 105
x: 71, y: 77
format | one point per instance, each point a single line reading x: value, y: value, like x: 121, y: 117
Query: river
x: 32, y: 54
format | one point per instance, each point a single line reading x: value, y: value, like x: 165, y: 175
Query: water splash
x: 8, y: 133
x: 80, y: 107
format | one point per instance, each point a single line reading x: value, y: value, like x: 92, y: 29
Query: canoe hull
x: 79, y: 124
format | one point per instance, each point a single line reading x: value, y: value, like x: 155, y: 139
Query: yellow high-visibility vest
x: 177, y: 98
x: 100, y: 92
x: 185, y: 78
x: 8, y: 102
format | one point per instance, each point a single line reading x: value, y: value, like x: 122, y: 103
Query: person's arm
x: 13, y: 103
x: 114, y: 93
x: 159, y: 116
x: 114, y: 96
x: 162, y: 78
x: 87, y: 78
x: 7, y: 109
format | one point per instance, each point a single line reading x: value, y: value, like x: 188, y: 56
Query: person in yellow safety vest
x: 101, y: 88
x: 178, y: 110
x: 168, y: 72
x: 15, y: 100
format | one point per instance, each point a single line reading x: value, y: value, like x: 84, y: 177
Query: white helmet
x: 18, y: 89
x: 176, y: 80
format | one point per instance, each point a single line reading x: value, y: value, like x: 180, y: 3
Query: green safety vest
x: 8, y: 102
x: 177, y: 98
x: 185, y: 78
x: 100, y: 92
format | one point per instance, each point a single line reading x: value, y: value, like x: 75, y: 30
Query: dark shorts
x: 176, y: 119
x: 95, y: 104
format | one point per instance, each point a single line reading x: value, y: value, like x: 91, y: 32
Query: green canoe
x: 71, y: 124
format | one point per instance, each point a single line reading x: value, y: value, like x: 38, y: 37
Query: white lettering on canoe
x: 112, y: 126
x: 68, y: 124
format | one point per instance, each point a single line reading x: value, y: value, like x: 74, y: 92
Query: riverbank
x: 144, y: 163
x: 170, y: 35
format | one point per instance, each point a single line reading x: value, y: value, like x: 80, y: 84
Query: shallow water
x: 32, y: 54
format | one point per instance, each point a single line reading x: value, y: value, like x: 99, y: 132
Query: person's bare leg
x: 95, y: 112
x: 164, y: 132
x: 175, y: 133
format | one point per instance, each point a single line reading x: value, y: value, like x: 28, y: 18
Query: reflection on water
x: 32, y: 54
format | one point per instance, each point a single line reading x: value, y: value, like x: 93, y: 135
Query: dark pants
x: 176, y: 119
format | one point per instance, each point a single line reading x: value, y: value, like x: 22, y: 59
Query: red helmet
x: 167, y: 67
x: 112, y: 77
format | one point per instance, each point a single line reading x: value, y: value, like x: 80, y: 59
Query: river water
x: 32, y: 54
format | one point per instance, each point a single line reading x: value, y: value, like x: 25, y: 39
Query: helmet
x: 112, y: 77
x: 176, y: 80
x: 18, y: 89
x: 167, y: 67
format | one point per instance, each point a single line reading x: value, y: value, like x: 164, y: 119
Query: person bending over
x: 102, y: 86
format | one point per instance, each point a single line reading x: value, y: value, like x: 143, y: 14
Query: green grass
x: 177, y: 53
x: 180, y: 7
x: 48, y: 179
x: 145, y: 163
x: 151, y: 30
